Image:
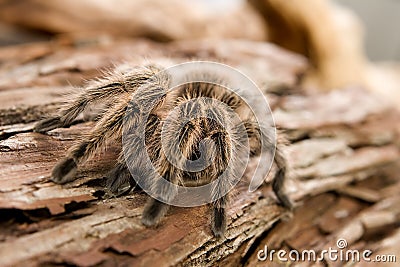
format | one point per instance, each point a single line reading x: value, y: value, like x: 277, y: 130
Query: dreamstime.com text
x: 340, y: 253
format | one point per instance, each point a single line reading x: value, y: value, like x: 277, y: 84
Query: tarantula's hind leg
x: 119, y: 180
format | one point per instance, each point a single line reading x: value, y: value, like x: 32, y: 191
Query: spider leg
x: 155, y: 210
x: 80, y: 103
x: 279, y: 179
x: 119, y: 180
x: 219, y: 190
x: 218, y: 217
x: 128, y: 113
x: 110, y: 125
x: 255, y: 135
x: 107, y: 89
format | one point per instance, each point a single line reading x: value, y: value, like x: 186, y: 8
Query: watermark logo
x: 338, y: 254
x: 166, y: 84
x: 341, y: 243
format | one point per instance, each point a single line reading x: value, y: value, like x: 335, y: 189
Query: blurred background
x: 347, y: 42
x: 379, y: 17
x: 381, y: 20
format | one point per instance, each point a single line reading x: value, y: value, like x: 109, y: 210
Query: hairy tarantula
x: 206, y: 134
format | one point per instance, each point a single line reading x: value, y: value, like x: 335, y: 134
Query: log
x: 343, y: 155
x: 157, y: 20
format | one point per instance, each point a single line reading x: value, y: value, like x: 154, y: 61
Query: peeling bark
x: 343, y: 154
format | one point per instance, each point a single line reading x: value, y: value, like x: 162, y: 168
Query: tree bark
x: 343, y: 155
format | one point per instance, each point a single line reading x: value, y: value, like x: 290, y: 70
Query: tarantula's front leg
x: 218, y: 216
x: 155, y: 210
x: 224, y: 174
x: 110, y: 125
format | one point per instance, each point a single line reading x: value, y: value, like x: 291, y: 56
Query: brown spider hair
x: 210, y: 133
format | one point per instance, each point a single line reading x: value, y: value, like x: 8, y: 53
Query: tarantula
x: 206, y: 133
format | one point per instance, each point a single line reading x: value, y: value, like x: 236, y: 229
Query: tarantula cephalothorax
x: 207, y: 129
